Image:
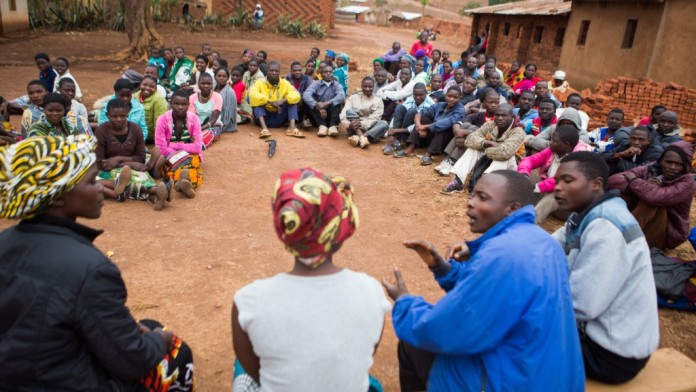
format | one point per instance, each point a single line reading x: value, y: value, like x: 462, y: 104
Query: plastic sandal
x: 295, y: 133
x: 264, y: 133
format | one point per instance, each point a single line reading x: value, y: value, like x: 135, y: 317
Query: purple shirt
x: 392, y: 57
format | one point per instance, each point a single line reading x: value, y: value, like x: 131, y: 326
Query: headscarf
x: 378, y: 60
x: 420, y: 53
x: 344, y: 57
x: 411, y: 60
x: 313, y: 214
x: 37, y: 171
x: 251, y: 52
x: 330, y: 53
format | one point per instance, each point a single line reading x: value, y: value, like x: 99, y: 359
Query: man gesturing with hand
x: 506, y: 320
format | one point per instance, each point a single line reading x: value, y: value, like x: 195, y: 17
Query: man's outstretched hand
x: 426, y: 251
x: 395, y: 289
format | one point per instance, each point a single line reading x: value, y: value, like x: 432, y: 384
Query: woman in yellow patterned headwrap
x: 316, y: 327
x: 62, y: 301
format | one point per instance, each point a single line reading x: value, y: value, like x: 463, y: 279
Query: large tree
x: 142, y: 35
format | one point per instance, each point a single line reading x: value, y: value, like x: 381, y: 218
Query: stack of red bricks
x: 636, y: 97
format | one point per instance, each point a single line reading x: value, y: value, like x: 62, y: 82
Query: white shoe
x: 306, y: 123
x: 354, y: 140
x: 333, y: 131
x: 323, y: 131
x: 364, y: 142
x: 445, y: 167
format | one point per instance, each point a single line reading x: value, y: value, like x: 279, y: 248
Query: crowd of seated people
x: 518, y: 146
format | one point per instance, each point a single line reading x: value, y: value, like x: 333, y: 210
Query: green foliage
x: 470, y: 5
x: 316, y: 30
x: 240, y: 18
x: 293, y: 28
x: 496, y: 2
x: 66, y: 15
x: 380, y: 3
x: 213, y: 19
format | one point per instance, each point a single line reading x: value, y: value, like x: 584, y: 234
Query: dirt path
x: 184, y: 264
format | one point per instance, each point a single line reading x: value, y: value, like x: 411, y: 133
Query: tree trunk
x: 141, y: 31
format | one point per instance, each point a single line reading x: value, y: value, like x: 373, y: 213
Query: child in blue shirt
x: 158, y: 61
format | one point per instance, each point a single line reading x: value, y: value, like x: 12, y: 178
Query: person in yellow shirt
x: 274, y: 102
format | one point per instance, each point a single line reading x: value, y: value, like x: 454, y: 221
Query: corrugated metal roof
x: 352, y: 9
x: 530, y: 7
x: 406, y: 15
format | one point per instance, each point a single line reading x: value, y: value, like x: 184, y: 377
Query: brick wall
x: 636, y: 97
x: 520, y: 41
x: 321, y: 11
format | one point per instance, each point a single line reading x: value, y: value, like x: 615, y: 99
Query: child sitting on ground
x: 121, y: 160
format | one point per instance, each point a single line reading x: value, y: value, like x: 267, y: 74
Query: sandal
x: 425, y: 161
x: 295, y: 133
x: 264, y: 133
x: 388, y: 150
x: 403, y: 154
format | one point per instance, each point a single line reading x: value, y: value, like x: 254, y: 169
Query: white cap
x: 559, y: 75
x: 258, y: 5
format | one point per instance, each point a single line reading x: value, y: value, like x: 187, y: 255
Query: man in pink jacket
x: 564, y: 140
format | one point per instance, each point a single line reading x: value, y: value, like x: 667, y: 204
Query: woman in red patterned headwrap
x: 317, y: 326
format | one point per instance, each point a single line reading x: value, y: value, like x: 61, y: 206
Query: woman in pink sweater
x: 178, y: 136
x: 565, y: 139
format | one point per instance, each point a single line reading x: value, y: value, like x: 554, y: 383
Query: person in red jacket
x: 422, y: 44
x: 659, y: 195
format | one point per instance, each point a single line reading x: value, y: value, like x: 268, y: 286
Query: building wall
x: 16, y: 20
x: 321, y: 11
x: 519, y: 43
x: 602, y: 55
x: 673, y: 58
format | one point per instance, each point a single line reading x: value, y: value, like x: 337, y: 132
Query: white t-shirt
x: 314, y: 333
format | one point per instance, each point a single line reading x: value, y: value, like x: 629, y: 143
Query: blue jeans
x: 276, y: 119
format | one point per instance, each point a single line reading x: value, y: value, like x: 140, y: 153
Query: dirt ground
x: 184, y: 264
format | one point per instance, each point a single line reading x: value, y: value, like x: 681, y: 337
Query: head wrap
x: 330, y: 53
x: 313, y: 214
x: 411, y: 60
x: 344, y: 57
x: 37, y: 171
x: 559, y: 75
x: 420, y: 53
x: 251, y: 52
x: 378, y: 60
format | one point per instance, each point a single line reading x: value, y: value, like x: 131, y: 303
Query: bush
x: 293, y: 28
x: 240, y: 18
x: 74, y: 15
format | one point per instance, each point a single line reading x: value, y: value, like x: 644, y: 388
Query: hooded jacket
x: 542, y: 161
x: 506, y: 321
x: 675, y: 195
x: 542, y: 140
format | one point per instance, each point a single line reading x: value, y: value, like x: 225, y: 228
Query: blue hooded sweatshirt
x: 506, y: 321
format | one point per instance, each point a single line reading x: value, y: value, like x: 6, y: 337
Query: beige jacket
x: 511, y: 141
x: 370, y: 110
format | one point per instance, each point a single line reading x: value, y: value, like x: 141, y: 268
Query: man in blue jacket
x: 324, y: 99
x: 434, y: 126
x: 506, y: 321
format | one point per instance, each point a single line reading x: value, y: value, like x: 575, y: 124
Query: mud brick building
x: 14, y: 16
x: 308, y: 11
x: 528, y: 31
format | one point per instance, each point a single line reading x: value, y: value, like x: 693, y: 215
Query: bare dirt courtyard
x: 183, y: 265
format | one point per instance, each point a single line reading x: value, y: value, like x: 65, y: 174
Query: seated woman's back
x: 314, y: 333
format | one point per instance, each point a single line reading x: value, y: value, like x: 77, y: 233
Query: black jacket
x: 64, y: 323
x: 618, y: 165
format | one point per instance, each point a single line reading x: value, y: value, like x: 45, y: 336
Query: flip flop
x: 403, y: 154
x: 264, y: 133
x: 425, y: 161
x: 295, y: 133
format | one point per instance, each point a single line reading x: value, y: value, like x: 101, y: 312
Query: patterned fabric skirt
x: 181, y: 161
x: 175, y: 371
x: 138, y: 183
